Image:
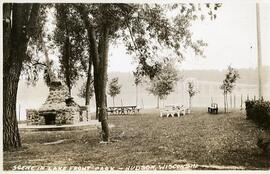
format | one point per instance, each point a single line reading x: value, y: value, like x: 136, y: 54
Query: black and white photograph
x: 135, y: 85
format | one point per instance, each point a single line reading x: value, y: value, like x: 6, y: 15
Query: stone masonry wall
x: 32, y: 117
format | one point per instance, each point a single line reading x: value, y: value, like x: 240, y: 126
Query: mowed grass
x: 146, y: 139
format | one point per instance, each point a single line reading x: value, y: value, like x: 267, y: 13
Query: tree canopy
x: 228, y: 84
x: 71, y: 39
x: 230, y: 79
x: 164, y: 82
x: 114, y: 87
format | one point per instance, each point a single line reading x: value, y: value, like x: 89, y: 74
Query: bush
x: 259, y: 112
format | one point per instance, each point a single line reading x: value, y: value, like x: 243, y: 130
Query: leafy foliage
x: 137, y: 77
x: 70, y: 36
x: 151, y: 31
x: 191, y: 89
x: 164, y: 82
x: 258, y: 111
x: 230, y: 79
x: 32, y: 64
x: 82, y: 91
x: 114, y: 87
x: 228, y: 84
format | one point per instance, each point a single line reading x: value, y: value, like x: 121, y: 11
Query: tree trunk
x: 11, y: 136
x: 241, y: 106
x: 113, y: 101
x: 100, y: 68
x: 227, y: 103
x: 230, y: 101
x: 158, y: 102
x: 136, y: 95
x: 190, y: 103
x: 88, y: 82
x: 103, y: 81
x: 66, y: 56
x: 16, y: 36
x: 93, y: 51
x: 224, y: 102
x: 87, y: 90
x: 11, y: 73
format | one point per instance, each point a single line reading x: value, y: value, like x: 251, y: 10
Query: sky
x: 231, y: 40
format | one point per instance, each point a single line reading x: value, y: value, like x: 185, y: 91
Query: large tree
x: 70, y: 38
x: 146, y: 29
x: 19, y: 28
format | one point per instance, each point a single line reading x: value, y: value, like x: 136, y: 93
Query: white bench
x: 172, y: 111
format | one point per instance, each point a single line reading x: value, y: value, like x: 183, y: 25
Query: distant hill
x: 209, y: 82
x: 247, y: 76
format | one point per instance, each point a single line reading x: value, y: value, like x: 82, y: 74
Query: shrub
x: 259, y: 112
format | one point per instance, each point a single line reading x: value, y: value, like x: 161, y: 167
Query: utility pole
x: 259, y: 55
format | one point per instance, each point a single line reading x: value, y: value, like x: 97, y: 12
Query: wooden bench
x: 123, y: 110
x: 213, y: 109
x: 171, y: 111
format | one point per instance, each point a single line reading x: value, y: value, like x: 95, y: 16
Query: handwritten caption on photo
x: 104, y: 168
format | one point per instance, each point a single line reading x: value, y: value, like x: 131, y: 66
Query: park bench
x: 123, y: 110
x: 171, y: 111
x: 213, y: 109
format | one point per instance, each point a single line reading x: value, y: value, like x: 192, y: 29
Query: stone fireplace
x: 59, y: 108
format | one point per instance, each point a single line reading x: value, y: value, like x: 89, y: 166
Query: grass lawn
x: 147, y: 139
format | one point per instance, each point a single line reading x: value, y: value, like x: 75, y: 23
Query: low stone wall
x: 32, y: 117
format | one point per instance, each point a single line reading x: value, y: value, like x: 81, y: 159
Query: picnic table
x: 172, y: 111
x: 123, y: 110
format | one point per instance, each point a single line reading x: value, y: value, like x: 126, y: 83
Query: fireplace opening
x: 49, y: 119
